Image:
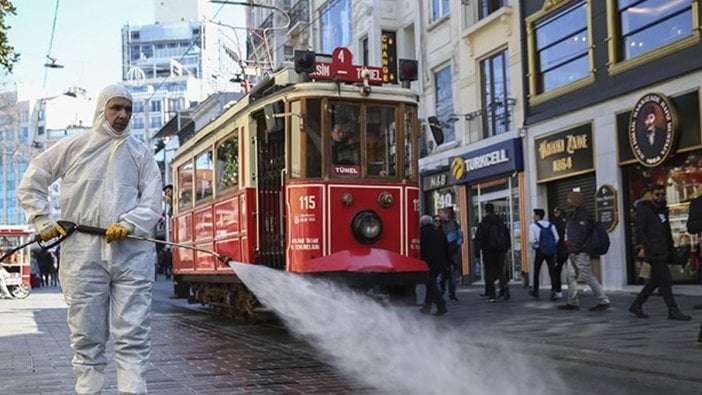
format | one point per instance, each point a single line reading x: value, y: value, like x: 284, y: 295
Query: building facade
x: 613, y: 107
x: 175, y: 63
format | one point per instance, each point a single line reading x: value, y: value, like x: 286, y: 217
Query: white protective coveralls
x: 107, y: 177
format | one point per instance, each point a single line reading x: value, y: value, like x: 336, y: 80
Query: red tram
x: 315, y: 177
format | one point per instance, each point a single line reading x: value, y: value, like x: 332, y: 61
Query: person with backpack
x: 454, y: 235
x: 578, y: 241
x: 654, y: 233
x: 543, y: 238
x: 492, y: 238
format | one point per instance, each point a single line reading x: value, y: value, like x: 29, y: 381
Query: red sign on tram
x: 342, y: 68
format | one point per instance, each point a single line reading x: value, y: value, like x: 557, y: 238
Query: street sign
x: 342, y: 68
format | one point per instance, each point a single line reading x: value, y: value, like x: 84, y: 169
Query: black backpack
x: 599, y: 240
x: 496, y: 237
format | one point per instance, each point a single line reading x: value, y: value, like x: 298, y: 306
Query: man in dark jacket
x: 694, y: 225
x: 653, y: 232
x: 578, y: 239
x: 493, y: 239
x: 434, y: 250
x: 559, y: 220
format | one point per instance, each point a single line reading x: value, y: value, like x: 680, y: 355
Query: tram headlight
x: 367, y: 227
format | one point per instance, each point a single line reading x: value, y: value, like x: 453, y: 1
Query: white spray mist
x: 392, y: 349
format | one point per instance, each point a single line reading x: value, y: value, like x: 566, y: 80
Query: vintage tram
x: 316, y: 177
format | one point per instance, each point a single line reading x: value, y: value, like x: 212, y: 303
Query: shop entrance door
x: 504, y: 196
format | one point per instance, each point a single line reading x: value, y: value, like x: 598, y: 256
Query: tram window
x: 345, y: 137
x: 228, y: 163
x: 381, y: 141
x: 410, y: 133
x: 305, y: 143
x: 185, y: 186
x: 204, y: 176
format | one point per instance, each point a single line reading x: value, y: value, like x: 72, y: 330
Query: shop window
x: 204, y: 176
x: 496, y: 94
x: 439, y: 8
x: 682, y: 179
x: 444, y: 101
x: 185, y: 186
x: 228, y: 163
x: 559, y: 48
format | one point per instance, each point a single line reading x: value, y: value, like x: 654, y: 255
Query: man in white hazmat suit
x: 109, y: 180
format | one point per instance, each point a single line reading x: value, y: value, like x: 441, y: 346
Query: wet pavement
x: 195, y: 352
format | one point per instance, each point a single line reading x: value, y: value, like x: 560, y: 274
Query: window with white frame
x: 336, y: 26
x: 496, y: 100
x: 645, y: 25
x: 439, y: 8
x: 444, y: 101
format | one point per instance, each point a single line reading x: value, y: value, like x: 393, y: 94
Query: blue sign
x: 501, y: 158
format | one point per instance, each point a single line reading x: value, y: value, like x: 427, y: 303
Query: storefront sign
x: 388, y: 56
x: 435, y: 181
x: 606, y: 207
x: 487, y: 162
x: 653, y: 128
x: 564, y: 154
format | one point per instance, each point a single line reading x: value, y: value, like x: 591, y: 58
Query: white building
x: 175, y: 63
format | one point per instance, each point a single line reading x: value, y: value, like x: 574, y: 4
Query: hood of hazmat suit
x: 107, y: 177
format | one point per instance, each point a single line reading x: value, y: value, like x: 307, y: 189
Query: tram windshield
x: 351, y: 140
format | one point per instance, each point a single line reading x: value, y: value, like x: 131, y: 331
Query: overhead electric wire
x: 51, y: 43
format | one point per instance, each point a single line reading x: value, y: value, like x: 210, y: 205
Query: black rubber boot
x: 636, y: 310
x: 675, y: 314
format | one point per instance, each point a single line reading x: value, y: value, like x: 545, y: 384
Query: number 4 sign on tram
x: 342, y: 67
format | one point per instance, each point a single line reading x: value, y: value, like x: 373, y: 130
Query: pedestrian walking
x: 109, y: 179
x: 434, y: 250
x: 578, y: 239
x: 559, y: 221
x: 543, y: 238
x: 492, y: 238
x: 454, y: 235
x: 694, y: 226
x: 653, y: 232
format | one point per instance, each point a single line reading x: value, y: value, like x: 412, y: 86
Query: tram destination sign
x: 606, y: 207
x: 342, y: 68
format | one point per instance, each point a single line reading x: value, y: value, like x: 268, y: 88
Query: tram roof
x: 282, y: 84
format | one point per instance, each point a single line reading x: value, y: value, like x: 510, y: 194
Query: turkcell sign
x: 491, y: 161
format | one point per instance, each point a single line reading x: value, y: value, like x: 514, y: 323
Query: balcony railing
x: 496, y: 118
x: 299, y: 14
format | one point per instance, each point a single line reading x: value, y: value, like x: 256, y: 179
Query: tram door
x: 270, y: 193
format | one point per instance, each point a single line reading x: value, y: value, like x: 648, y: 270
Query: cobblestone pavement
x: 196, y: 353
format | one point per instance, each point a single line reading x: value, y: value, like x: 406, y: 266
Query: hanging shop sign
x: 653, y: 129
x: 564, y: 154
x: 606, y: 211
x: 388, y: 56
x: 491, y: 161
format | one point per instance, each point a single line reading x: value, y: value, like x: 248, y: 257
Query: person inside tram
x: 344, y: 146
